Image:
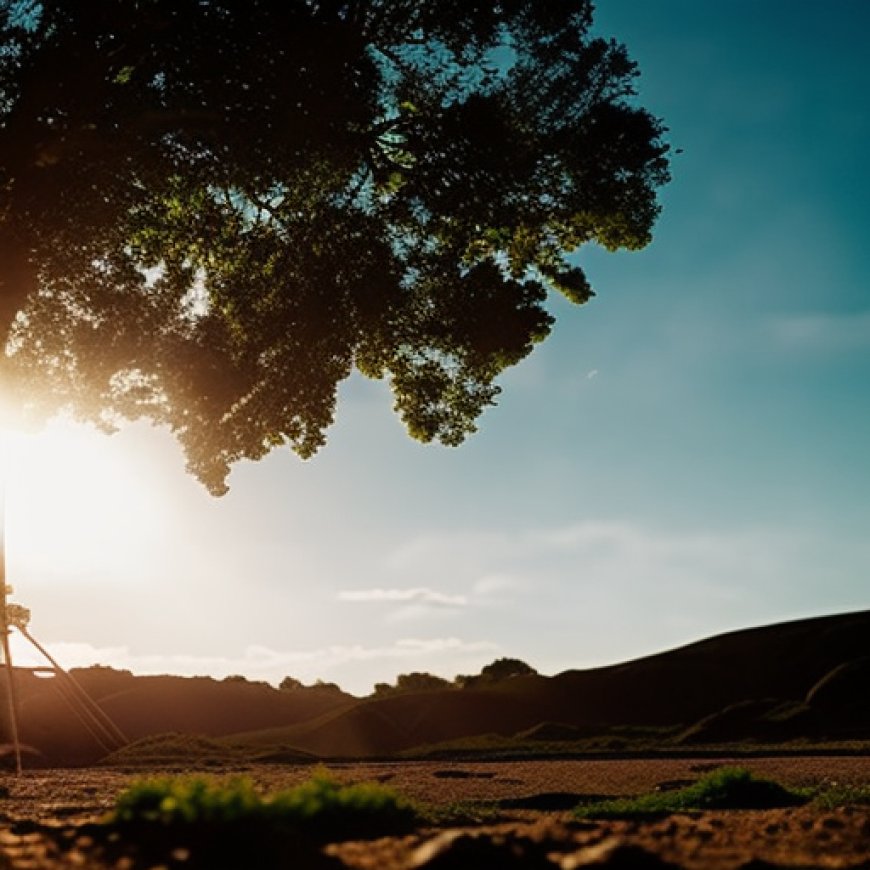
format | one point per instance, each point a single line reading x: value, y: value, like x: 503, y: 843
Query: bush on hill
x: 416, y: 681
x: 495, y: 672
x: 765, y: 720
x: 291, y: 684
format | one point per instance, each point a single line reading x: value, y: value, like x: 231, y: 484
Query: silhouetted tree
x: 416, y: 681
x: 291, y: 684
x: 505, y: 668
x: 325, y: 686
x: 420, y: 682
x: 212, y: 212
x: 496, y: 671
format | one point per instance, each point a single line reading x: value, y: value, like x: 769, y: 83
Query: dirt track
x: 42, y: 811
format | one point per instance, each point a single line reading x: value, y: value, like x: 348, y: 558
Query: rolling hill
x: 807, y: 679
x: 780, y: 664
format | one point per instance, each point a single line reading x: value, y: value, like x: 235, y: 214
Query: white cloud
x: 419, y: 594
x: 823, y: 331
x: 493, y: 585
x: 591, y: 374
x: 569, y: 594
x: 434, y: 550
x: 597, y: 591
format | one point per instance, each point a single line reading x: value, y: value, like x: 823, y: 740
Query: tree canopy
x: 213, y: 211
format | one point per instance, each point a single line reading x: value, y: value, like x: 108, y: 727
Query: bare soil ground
x: 44, y: 817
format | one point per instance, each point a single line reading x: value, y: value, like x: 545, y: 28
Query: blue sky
x: 686, y: 455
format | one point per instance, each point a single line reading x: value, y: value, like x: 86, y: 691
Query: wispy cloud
x: 418, y: 595
x: 495, y: 585
x: 656, y: 586
x: 823, y: 331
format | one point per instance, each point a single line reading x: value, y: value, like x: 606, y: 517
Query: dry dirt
x: 42, y: 815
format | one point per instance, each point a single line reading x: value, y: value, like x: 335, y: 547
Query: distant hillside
x: 143, y: 706
x: 675, y: 688
x: 803, y: 679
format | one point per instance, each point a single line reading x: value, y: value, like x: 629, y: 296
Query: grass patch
x: 728, y: 788
x: 456, y: 813
x: 548, y: 740
x: 229, y: 824
x: 319, y: 807
x: 833, y: 796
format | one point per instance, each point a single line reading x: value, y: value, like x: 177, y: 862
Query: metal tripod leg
x: 4, y: 635
x: 12, y: 695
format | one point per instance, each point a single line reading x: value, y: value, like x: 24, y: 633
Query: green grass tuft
x: 832, y: 796
x: 313, y: 806
x: 187, y: 800
x: 228, y: 823
x: 460, y: 813
x: 728, y: 788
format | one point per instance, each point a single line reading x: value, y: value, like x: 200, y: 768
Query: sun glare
x: 76, y: 502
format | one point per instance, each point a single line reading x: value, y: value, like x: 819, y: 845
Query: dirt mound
x: 556, y: 732
x: 844, y: 693
x: 171, y: 750
x: 763, y: 721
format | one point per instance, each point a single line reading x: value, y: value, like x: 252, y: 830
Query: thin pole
x: 11, y: 694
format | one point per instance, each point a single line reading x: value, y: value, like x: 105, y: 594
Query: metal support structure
x: 11, y: 692
x: 93, y: 716
x: 96, y: 721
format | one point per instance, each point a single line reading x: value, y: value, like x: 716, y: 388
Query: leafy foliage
x: 290, y: 684
x: 461, y: 813
x: 212, y: 213
x: 322, y: 805
x: 229, y: 824
x: 727, y: 788
x: 496, y: 672
x: 416, y: 681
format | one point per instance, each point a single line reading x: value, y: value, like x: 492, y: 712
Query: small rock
x: 761, y: 864
x: 616, y: 855
x: 453, y: 850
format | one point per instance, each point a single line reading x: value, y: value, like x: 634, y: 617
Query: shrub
x: 414, y: 682
x: 495, y: 672
x: 227, y: 823
x: 291, y: 684
x: 506, y: 669
x: 326, y: 809
x: 728, y: 788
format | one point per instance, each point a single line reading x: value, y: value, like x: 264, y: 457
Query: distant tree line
x: 420, y: 681
x: 417, y: 681
x: 495, y: 672
x: 291, y: 684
